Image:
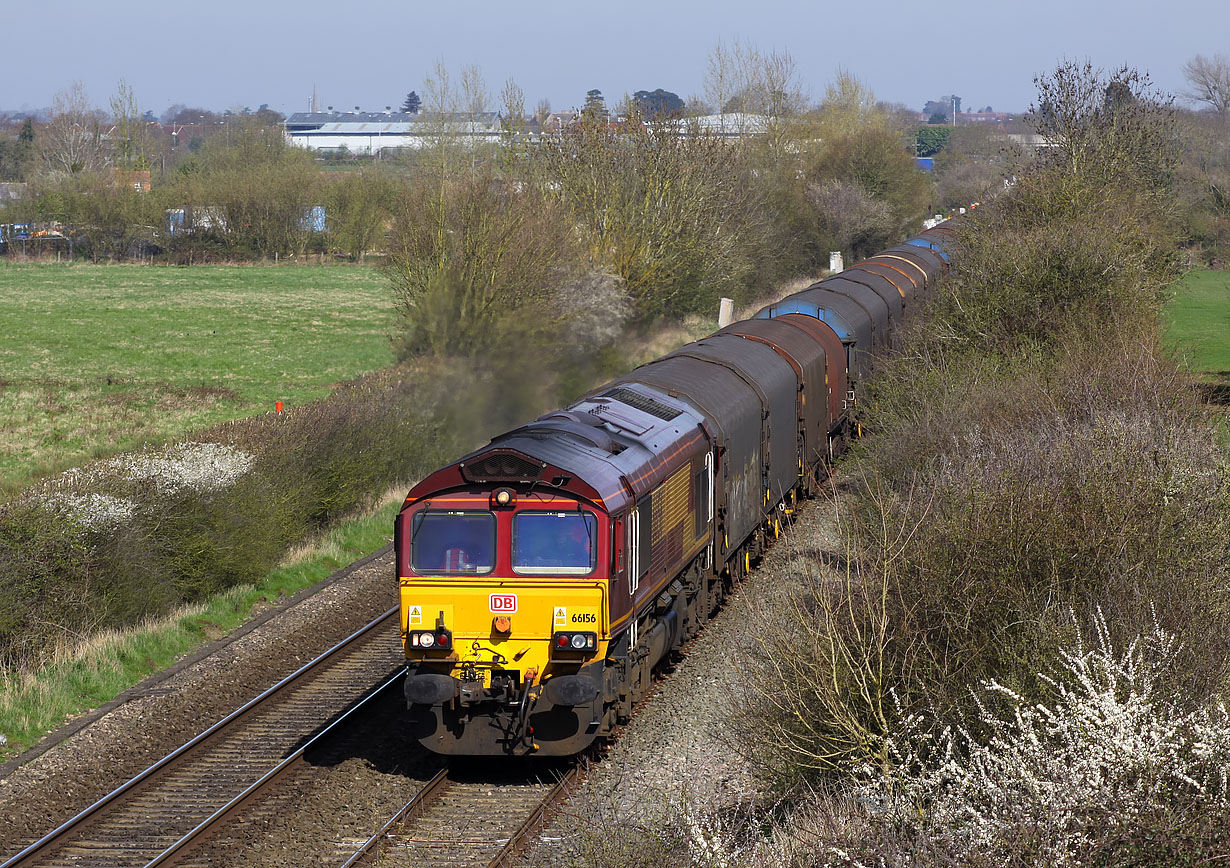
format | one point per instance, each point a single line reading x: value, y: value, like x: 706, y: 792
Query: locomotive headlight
x: 568, y: 643
x: 431, y: 640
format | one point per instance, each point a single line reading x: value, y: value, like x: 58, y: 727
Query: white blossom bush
x: 91, y: 511
x: 99, y: 497
x: 172, y: 470
x: 184, y: 466
x: 1116, y: 769
x: 1113, y: 761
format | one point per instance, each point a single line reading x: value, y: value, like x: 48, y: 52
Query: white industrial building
x: 369, y: 133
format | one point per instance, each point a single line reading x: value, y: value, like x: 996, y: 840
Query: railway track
x: 158, y: 816
x: 468, y: 817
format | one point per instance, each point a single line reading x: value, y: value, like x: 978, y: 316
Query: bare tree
x: 512, y: 121
x: 850, y: 105
x: 131, y: 139
x: 441, y: 103
x: 513, y: 146
x: 1112, y: 127
x: 1209, y: 78
x: 742, y: 80
x: 720, y: 77
x: 73, y: 140
x: 475, y: 100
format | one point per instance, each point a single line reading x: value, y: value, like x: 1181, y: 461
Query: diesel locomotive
x: 543, y: 576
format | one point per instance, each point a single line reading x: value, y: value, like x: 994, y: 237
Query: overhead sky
x: 230, y: 53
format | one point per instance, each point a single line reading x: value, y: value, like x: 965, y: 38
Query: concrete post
x: 726, y: 312
x: 835, y: 263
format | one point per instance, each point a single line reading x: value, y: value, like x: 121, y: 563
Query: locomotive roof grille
x: 503, y: 467
x: 643, y: 403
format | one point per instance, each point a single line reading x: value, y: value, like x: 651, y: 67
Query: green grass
x: 97, y: 359
x: 1199, y: 321
x: 1198, y: 325
x: 34, y: 703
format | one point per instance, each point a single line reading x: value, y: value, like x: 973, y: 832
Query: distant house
x: 964, y: 119
x: 1029, y: 142
x: 984, y: 118
x: 557, y: 122
x: 139, y: 180
x: 370, y: 133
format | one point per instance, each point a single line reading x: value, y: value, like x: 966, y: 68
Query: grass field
x: 96, y: 359
x: 1199, y: 322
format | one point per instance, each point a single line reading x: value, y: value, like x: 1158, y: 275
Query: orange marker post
x: 277, y: 406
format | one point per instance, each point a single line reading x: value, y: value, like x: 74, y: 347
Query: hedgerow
x: 130, y: 537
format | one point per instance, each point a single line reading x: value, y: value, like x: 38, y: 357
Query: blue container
x: 930, y: 245
x: 852, y: 326
x: 175, y: 221
x: 792, y: 305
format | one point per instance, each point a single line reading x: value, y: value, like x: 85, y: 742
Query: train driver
x: 469, y: 551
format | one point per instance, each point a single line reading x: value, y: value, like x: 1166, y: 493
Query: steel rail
x: 513, y: 846
x: 407, y: 812
x: 538, y: 818
x: 269, y: 776
x: 61, y: 831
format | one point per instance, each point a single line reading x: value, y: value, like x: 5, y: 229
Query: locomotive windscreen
x: 558, y: 543
x: 453, y: 543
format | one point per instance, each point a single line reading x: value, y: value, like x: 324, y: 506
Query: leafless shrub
x: 962, y: 181
x: 471, y: 261
x: 852, y: 218
x: 595, y: 307
x: 819, y: 703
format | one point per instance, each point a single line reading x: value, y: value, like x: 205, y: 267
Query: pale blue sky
x: 225, y: 53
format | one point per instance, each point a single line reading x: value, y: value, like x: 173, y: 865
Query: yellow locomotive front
x: 505, y: 619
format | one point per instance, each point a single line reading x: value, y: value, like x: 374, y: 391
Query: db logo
x: 504, y: 604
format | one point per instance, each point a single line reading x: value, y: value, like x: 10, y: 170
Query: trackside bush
x: 1020, y: 282
x: 996, y: 503
x: 473, y: 263
x: 1113, y: 769
x: 133, y: 536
